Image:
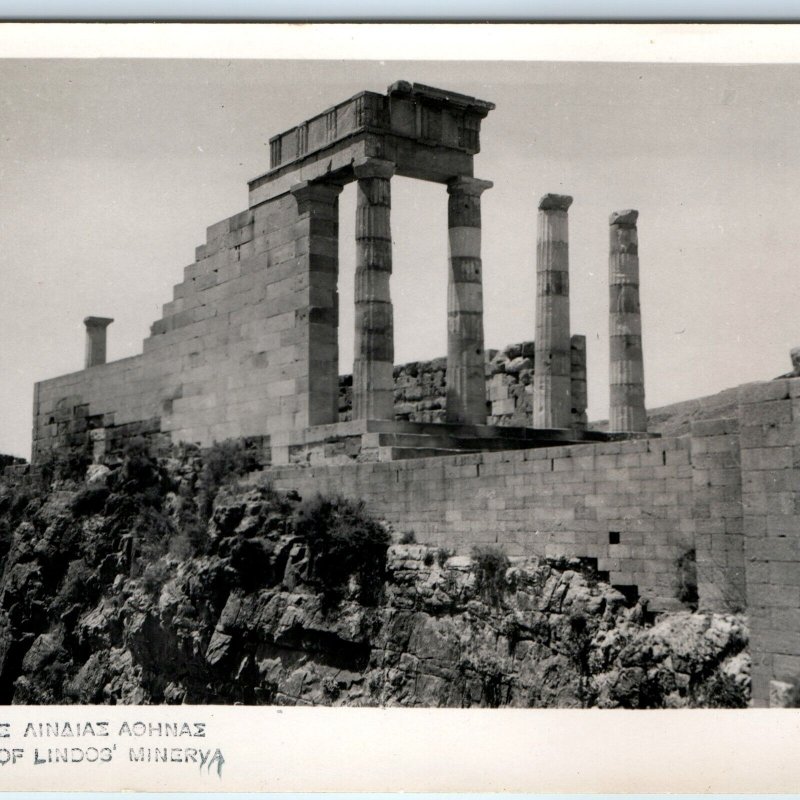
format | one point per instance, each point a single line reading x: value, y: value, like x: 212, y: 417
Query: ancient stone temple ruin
x: 248, y: 346
x: 477, y: 447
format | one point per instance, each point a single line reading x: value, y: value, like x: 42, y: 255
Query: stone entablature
x: 414, y: 111
x: 422, y: 116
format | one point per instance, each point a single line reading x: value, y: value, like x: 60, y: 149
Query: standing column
x: 315, y: 400
x: 627, y: 411
x: 96, y: 340
x: 466, y: 379
x: 552, y: 376
x: 373, y: 381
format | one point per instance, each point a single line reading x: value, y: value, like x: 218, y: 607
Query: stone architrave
x: 373, y: 382
x: 96, y: 340
x: 627, y: 409
x: 552, y: 378
x: 466, y: 382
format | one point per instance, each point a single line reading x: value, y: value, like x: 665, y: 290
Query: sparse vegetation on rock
x: 190, y: 579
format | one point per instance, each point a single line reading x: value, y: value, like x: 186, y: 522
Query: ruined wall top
x: 429, y: 133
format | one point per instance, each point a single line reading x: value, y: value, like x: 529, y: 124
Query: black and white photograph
x: 400, y: 383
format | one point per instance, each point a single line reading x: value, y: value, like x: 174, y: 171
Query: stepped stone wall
x: 248, y: 345
x: 249, y: 331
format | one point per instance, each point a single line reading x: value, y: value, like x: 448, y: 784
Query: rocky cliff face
x: 169, y: 582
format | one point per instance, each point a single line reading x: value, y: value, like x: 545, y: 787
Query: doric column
x: 373, y: 382
x: 466, y: 381
x: 96, y: 340
x: 552, y: 391
x: 627, y: 411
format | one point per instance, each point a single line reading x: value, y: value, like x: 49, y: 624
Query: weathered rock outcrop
x: 166, y: 583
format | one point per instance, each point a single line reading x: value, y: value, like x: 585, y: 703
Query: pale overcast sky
x: 110, y: 172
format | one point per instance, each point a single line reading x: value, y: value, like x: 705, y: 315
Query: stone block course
x: 771, y: 524
x: 544, y: 501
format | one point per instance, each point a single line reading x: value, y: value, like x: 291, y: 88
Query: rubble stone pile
x: 420, y: 387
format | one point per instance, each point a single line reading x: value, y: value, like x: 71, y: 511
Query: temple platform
x: 392, y: 440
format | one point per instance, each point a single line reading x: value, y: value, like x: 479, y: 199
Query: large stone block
x: 766, y: 412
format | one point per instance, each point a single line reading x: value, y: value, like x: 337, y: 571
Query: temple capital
x: 625, y: 218
x: 309, y: 192
x: 555, y: 202
x: 97, y: 322
x: 474, y: 187
x: 374, y: 168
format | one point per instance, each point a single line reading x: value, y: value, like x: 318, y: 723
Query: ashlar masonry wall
x: 250, y: 329
x: 769, y: 415
x: 627, y: 504
x: 717, y: 513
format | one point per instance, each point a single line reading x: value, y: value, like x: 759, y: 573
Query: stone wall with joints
x: 718, y: 508
x: 769, y: 428
x: 248, y: 347
x: 627, y: 504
